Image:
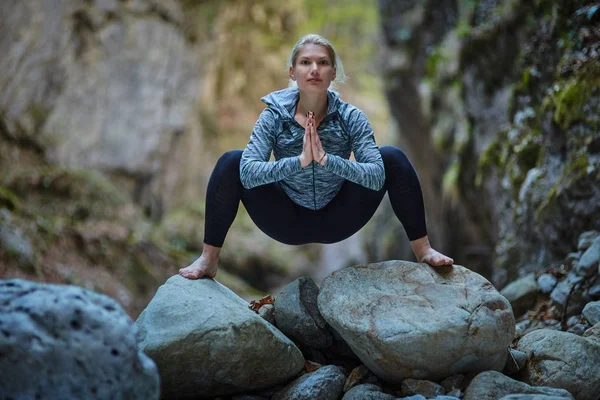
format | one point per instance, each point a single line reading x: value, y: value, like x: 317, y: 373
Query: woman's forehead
x: 313, y: 51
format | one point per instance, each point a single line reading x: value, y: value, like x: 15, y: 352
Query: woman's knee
x: 393, y: 157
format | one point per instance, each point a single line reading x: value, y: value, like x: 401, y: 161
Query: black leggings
x: 287, y: 222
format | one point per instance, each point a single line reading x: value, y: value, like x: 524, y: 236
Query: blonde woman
x: 312, y: 192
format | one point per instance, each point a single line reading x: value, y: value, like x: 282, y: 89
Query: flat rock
x: 492, y: 385
x: 67, y: 342
x: 521, y: 293
x: 591, y: 312
x: 400, y: 317
x: 207, y: 342
x: 367, y: 391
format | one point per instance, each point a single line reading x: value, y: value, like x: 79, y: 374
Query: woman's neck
x: 317, y: 104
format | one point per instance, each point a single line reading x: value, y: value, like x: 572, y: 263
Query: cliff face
x: 103, y: 85
x: 501, y: 100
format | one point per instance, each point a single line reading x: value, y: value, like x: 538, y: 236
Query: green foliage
x: 8, y: 199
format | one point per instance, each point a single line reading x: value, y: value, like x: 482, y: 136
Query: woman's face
x: 314, y: 70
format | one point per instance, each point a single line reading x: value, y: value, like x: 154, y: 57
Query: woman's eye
x: 325, y: 62
x: 305, y: 62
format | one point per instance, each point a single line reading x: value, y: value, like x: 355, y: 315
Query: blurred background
x: 113, y: 113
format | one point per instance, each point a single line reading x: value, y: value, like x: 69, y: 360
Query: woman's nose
x: 314, y: 68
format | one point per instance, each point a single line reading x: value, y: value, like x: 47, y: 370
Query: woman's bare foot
x: 205, y: 266
x: 425, y: 253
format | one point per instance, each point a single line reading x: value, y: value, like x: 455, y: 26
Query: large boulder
x: 66, y: 342
x: 563, y: 360
x: 408, y: 320
x: 207, y: 342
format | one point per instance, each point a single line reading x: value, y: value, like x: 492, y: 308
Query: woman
x: 312, y: 192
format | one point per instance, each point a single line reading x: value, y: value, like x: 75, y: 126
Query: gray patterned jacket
x: 345, y: 129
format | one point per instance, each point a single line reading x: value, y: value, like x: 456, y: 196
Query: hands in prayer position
x: 312, y: 149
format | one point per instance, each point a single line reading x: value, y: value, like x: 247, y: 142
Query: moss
x: 574, y: 171
x: 8, y: 199
x: 528, y: 150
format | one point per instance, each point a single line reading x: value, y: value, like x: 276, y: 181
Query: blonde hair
x: 312, y: 38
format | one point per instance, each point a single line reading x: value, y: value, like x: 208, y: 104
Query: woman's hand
x: 319, y: 154
x: 307, y: 155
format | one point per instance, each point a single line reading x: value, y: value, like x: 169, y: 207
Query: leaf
x: 256, y: 305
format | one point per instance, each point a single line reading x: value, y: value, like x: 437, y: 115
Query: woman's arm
x: 368, y: 169
x: 255, y: 167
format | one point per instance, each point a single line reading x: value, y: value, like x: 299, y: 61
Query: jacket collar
x: 285, y: 101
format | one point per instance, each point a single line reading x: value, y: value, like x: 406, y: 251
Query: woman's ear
x: 292, y: 77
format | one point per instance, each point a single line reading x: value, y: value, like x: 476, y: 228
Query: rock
x: 324, y: 384
x: 399, y: 317
x: 355, y: 377
x: 422, y: 387
x: 492, y: 385
x: 445, y: 397
x: 521, y: 293
x: 516, y: 361
x: 586, y: 239
x: 267, y: 312
x: 205, y: 340
x: 546, y: 283
x: 415, y: 397
x: 594, y: 291
x: 593, y: 333
x: 531, y: 397
x: 588, y: 263
x: 248, y: 397
x: 66, y: 342
x: 297, y: 314
x: 578, y: 329
x: 562, y: 360
x: 453, y: 382
x: 367, y: 392
x: 564, y: 291
x: 15, y: 243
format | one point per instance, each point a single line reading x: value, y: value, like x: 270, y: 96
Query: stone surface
x: 521, y: 293
x: 492, y: 385
x: 531, y: 397
x: 590, y: 259
x: 423, y: 387
x: 546, y: 283
x: 66, y: 342
x: 267, y: 312
x: 297, y: 314
x: 324, y: 384
x: 515, y: 362
x: 586, y: 239
x: 591, y: 312
x: 356, y: 376
x: 205, y: 340
x: 399, y: 317
x: 453, y: 382
x: 367, y: 392
x: 562, y: 360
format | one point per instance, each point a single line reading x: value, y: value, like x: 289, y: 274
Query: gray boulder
x: 591, y: 312
x: 326, y: 383
x: 297, y: 314
x: 66, y: 342
x: 207, y: 342
x: 492, y: 385
x: 408, y: 320
x: 521, y: 293
x: 367, y: 391
x: 562, y: 360
x: 516, y: 362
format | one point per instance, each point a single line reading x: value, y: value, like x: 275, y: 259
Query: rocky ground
x: 392, y: 330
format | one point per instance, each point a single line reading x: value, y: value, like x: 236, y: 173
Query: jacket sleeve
x: 255, y: 167
x: 368, y: 170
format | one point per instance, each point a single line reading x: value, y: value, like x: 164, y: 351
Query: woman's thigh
x: 348, y: 212
x: 275, y: 214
